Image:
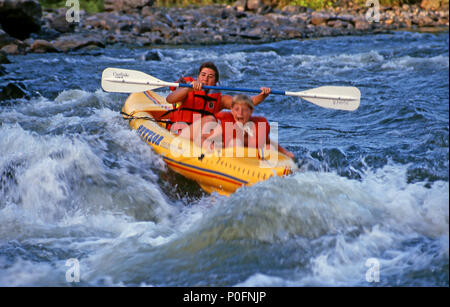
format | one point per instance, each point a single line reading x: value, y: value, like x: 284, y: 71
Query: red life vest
x: 196, y: 102
x: 262, y: 137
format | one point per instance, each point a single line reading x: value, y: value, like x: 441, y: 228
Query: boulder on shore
x: 257, y: 6
x: 126, y: 6
x: 20, y: 18
x: 43, y: 46
x: 77, y: 41
x: 430, y: 4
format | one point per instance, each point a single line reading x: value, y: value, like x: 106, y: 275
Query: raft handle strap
x: 131, y: 117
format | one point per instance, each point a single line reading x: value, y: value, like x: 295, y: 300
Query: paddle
x: 130, y: 81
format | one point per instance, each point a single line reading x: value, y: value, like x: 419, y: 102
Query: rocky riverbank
x: 143, y: 25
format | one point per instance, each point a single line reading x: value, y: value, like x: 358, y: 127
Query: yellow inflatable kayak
x: 221, y: 170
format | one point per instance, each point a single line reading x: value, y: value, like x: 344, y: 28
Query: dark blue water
x: 373, y: 184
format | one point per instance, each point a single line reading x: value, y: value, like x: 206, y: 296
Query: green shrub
x: 91, y: 6
x: 321, y: 4
x: 183, y: 3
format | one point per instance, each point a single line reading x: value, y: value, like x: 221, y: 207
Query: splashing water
x: 77, y: 183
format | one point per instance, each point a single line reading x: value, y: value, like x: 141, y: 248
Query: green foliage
x: 91, y: 6
x: 313, y: 4
x: 322, y: 4
x: 390, y: 2
x: 184, y: 3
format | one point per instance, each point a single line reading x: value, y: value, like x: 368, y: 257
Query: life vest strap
x: 205, y: 97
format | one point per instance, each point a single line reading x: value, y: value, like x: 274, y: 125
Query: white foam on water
x: 49, y: 61
x: 56, y: 190
x: 142, y: 239
x: 383, y: 208
x: 40, y: 188
x: 413, y: 63
x: 48, y: 169
x: 389, y: 213
x: 345, y: 60
x: 263, y: 280
x: 110, y: 59
x: 76, y: 60
x: 62, y: 195
x: 212, y: 55
x: 70, y: 96
x: 27, y: 273
x: 230, y: 64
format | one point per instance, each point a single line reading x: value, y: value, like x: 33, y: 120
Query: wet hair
x: 212, y: 66
x: 242, y: 98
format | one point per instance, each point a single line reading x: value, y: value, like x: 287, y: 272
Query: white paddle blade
x: 332, y: 97
x: 120, y: 80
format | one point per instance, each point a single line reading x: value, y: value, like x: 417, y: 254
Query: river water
x: 368, y: 206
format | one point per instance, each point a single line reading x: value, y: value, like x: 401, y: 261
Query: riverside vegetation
x: 147, y: 23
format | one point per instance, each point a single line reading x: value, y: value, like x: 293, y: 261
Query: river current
x: 368, y: 206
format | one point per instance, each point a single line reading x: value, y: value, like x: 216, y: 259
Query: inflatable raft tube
x: 222, y: 170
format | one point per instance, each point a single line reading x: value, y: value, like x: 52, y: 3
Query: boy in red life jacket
x: 240, y: 128
x: 199, y: 105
